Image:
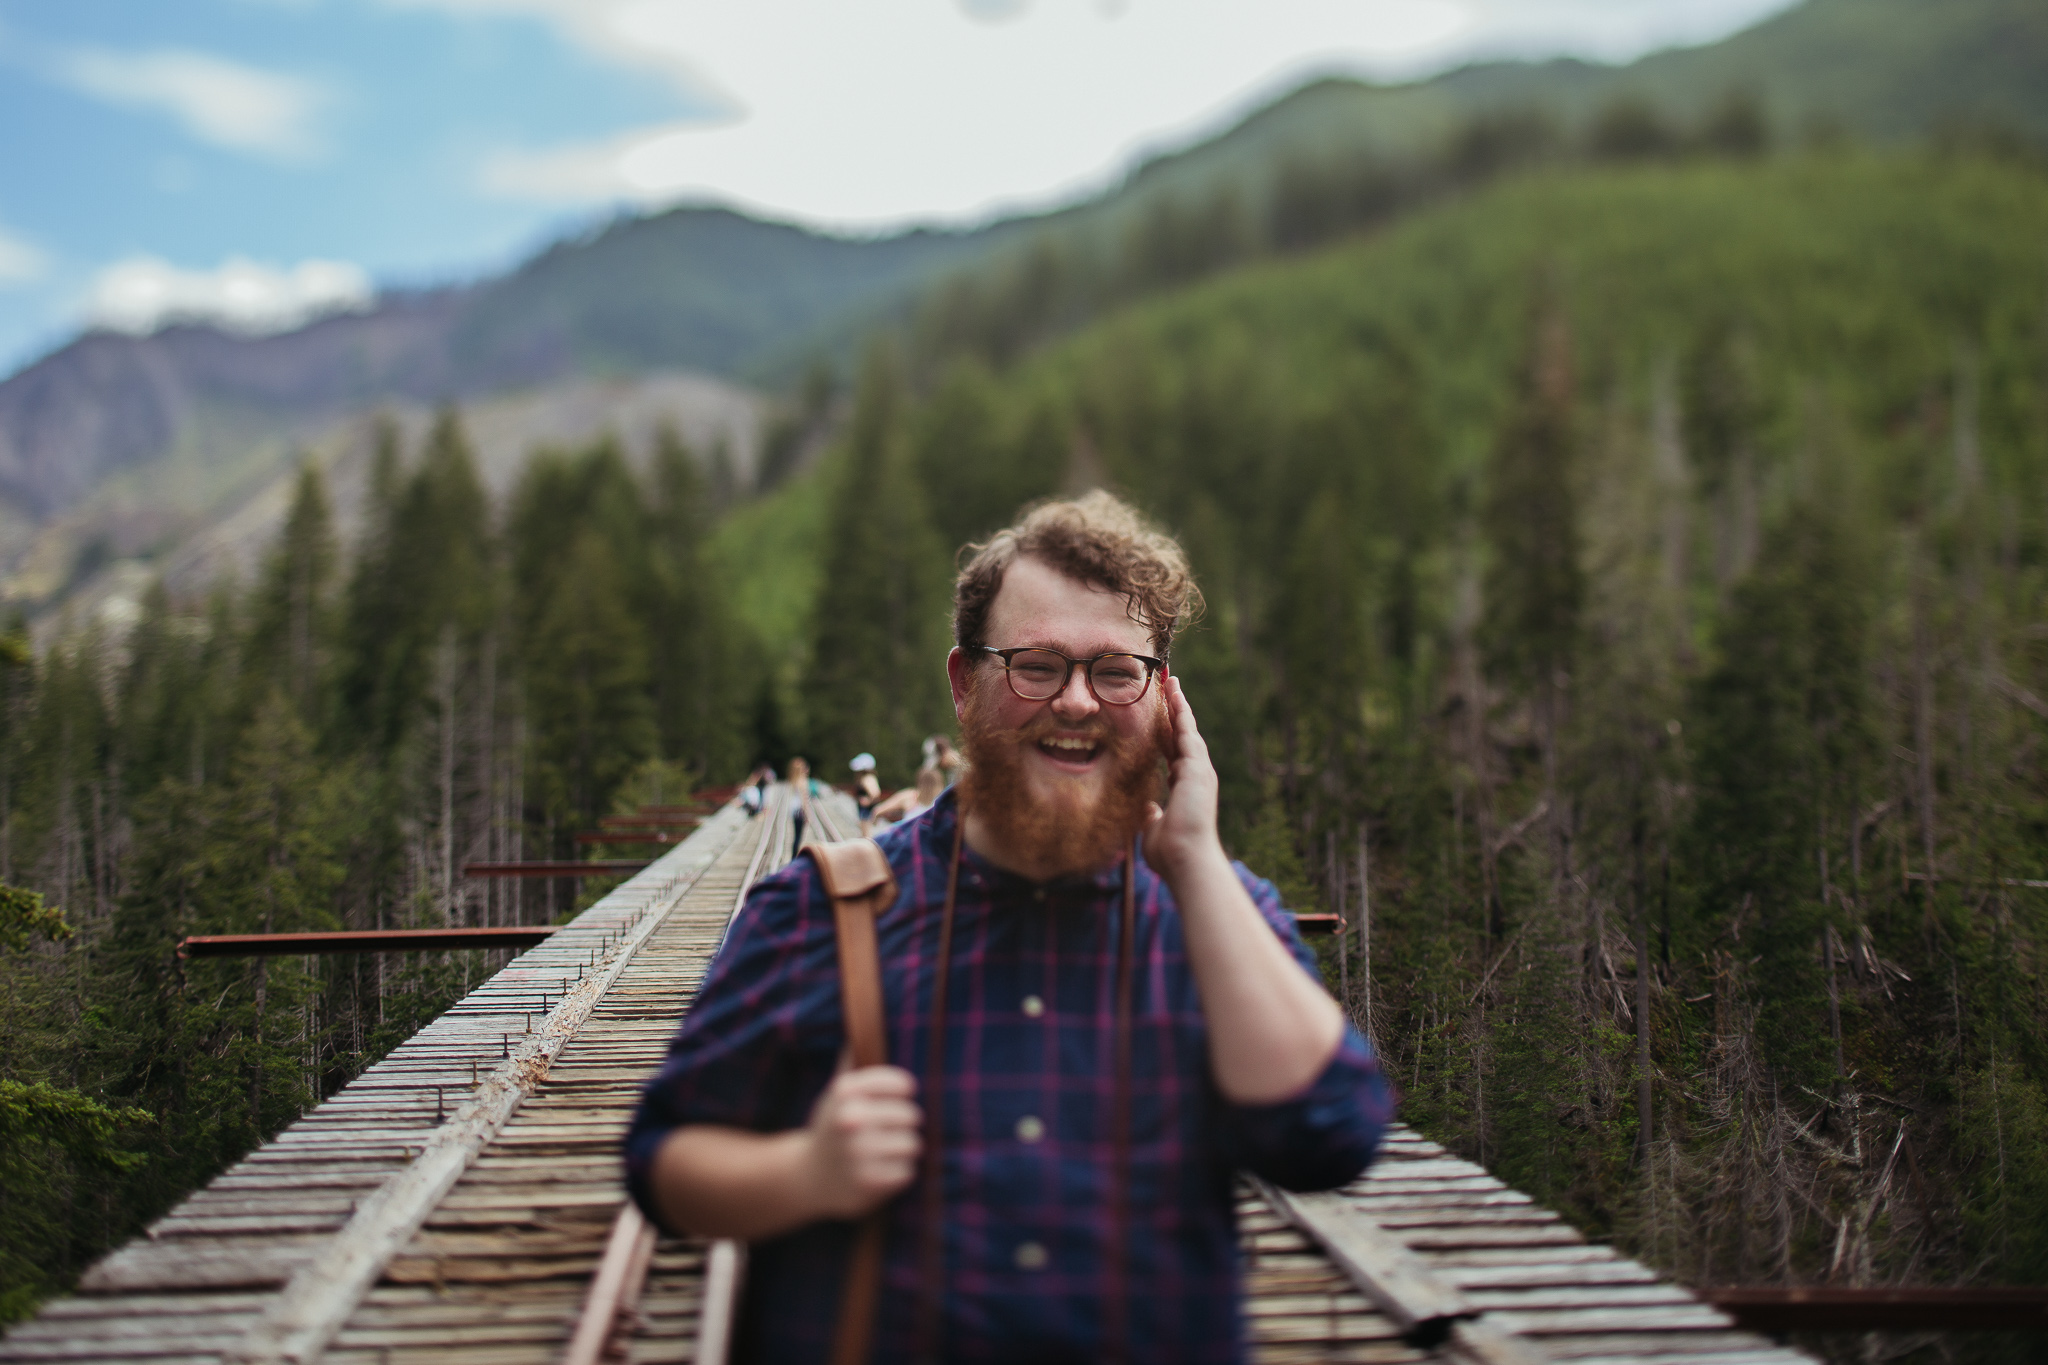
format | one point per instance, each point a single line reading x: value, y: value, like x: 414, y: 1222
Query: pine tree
x: 590, y: 717
x: 1535, y: 584
x: 975, y: 480
x: 1784, y: 740
x: 424, y: 573
x: 876, y: 675
x: 698, y: 656
x: 292, y: 634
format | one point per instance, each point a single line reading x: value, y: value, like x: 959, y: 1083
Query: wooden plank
x: 298, y: 1325
x: 567, y: 1135
x: 1422, y: 1305
x: 1674, y: 1318
x: 145, y: 1266
x: 1657, y: 1345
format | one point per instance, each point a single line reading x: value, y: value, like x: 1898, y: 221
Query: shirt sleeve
x: 762, y: 1038
x: 1326, y: 1135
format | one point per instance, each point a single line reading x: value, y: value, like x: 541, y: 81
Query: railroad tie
x: 1428, y: 1309
x: 621, y: 1275
x: 299, y: 1324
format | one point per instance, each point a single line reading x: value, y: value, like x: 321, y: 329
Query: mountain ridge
x: 720, y: 292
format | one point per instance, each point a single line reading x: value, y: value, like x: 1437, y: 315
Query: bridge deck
x: 496, y: 1268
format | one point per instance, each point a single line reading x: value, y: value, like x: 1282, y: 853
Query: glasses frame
x: 1153, y: 668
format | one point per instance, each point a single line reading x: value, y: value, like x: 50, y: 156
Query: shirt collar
x: 945, y: 815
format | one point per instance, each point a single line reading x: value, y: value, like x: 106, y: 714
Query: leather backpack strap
x: 858, y: 879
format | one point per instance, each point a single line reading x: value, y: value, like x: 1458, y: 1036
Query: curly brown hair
x: 1097, y: 538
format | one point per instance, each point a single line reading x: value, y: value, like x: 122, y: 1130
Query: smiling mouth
x: 1070, y: 750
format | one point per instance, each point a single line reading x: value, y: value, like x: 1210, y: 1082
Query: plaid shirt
x: 1028, y: 1110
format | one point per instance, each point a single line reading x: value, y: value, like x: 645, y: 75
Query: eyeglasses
x: 1042, y: 674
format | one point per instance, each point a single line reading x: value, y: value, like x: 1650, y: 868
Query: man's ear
x: 960, y: 673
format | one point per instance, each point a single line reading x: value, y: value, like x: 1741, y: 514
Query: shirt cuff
x: 1324, y: 1136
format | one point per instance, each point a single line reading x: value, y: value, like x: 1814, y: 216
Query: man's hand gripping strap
x: 858, y: 879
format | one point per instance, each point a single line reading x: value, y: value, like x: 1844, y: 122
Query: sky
x: 257, y: 162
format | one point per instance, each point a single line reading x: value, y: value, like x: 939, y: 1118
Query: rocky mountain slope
x: 97, y: 560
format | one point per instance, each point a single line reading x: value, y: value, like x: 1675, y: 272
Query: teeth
x: 1079, y: 745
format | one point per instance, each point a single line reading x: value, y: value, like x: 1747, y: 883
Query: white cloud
x: 144, y: 293
x: 875, y: 113
x: 1606, y: 30
x: 890, y: 109
x: 993, y: 11
x: 20, y: 260
x: 226, y: 103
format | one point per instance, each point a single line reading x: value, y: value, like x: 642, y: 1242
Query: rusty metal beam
x: 1832, y: 1308
x: 361, y: 941
x: 1318, y: 924
x: 594, y: 867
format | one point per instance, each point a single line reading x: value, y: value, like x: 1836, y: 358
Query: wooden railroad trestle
x: 460, y: 1202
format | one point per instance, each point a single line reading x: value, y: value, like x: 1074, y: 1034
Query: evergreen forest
x: 1627, y: 605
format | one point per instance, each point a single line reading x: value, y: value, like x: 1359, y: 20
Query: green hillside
x: 704, y: 289
x: 1860, y: 275
x: 1339, y: 157
x: 1650, y: 561
x: 715, y: 290
x: 1879, y: 70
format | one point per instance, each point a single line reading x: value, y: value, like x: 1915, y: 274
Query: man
x: 1083, y: 1165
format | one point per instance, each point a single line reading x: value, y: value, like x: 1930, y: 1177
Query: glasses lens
x: 1119, y: 679
x: 1036, y: 674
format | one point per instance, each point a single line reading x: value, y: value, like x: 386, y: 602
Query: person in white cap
x: 867, y: 790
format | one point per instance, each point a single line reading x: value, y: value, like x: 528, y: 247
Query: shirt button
x: 1038, y: 894
x: 1033, y: 1006
x: 1031, y: 1256
x: 1030, y: 1128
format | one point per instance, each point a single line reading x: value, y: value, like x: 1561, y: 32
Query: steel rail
x: 1911, y: 1308
x: 593, y: 867
x: 622, y: 1272
x: 823, y: 818
x: 298, y: 1325
x: 363, y: 941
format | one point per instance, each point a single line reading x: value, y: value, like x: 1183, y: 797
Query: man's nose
x: 1075, y: 701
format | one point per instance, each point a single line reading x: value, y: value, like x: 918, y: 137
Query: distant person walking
x: 754, y: 796
x: 941, y: 756
x: 801, y: 789
x: 911, y: 801
x: 867, y: 789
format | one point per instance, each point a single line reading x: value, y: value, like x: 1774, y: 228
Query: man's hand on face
x: 863, y: 1140
x: 1182, y: 836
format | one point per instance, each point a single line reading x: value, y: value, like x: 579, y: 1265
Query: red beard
x: 1076, y: 828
